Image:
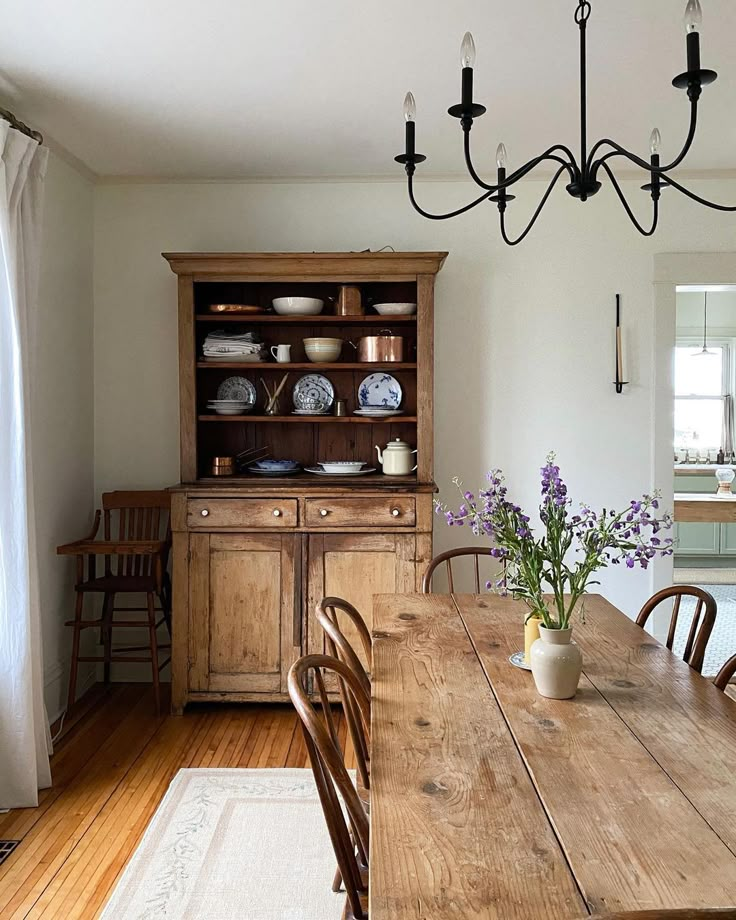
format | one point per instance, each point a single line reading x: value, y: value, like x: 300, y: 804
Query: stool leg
x: 107, y: 611
x: 154, y: 652
x: 75, y: 651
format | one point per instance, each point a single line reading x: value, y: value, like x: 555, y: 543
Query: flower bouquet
x: 552, y: 572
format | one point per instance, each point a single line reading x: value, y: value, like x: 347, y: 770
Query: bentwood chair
x: 724, y: 676
x: 329, y: 612
x: 697, y: 639
x: 474, y: 551
x: 687, y: 913
x: 348, y: 828
x: 135, y: 545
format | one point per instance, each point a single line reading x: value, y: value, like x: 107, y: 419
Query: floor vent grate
x: 6, y: 848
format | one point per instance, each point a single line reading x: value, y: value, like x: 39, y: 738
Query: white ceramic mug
x: 282, y: 353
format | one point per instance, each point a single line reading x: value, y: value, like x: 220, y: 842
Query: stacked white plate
x: 334, y: 471
x: 341, y: 466
x: 230, y: 406
x: 370, y: 412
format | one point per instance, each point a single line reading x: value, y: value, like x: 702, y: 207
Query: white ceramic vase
x: 556, y: 663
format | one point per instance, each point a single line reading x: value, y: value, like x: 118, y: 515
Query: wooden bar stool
x: 135, y: 546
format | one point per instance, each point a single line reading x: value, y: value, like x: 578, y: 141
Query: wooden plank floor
x: 110, y: 770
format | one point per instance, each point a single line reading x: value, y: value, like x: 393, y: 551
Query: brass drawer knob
x: 395, y: 512
x: 204, y: 512
x: 276, y: 512
x: 323, y: 512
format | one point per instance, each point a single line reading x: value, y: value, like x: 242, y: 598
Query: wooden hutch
x: 252, y: 556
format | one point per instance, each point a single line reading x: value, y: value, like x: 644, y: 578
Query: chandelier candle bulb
x: 501, y: 156
x: 693, y: 17
x: 467, y: 51
x: 655, y: 141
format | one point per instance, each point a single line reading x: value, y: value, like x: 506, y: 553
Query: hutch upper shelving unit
x: 253, y: 556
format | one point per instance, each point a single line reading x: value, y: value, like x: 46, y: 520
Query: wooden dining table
x: 490, y: 801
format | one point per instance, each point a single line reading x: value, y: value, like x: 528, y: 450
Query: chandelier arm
x: 536, y: 214
x: 689, y: 194
x: 549, y: 154
x: 618, y: 150
x: 627, y: 207
x: 449, y: 214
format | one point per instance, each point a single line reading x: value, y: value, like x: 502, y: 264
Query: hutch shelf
x: 253, y: 556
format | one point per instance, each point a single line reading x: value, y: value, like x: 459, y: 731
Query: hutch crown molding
x: 252, y: 556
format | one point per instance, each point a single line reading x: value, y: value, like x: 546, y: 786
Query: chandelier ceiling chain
x: 583, y: 175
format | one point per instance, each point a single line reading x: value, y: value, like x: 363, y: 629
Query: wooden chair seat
x: 119, y: 584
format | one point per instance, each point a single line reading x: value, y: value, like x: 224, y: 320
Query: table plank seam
x: 661, y: 766
x: 512, y: 734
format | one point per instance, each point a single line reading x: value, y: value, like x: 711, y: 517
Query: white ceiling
x: 289, y: 88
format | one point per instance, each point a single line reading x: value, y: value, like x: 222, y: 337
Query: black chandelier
x: 583, y: 176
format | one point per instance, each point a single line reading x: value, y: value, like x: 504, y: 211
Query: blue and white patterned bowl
x: 276, y: 464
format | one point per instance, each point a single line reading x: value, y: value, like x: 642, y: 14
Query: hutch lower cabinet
x: 253, y: 555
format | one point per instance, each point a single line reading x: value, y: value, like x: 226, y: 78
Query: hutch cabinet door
x: 355, y: 567
x: 245, y: 617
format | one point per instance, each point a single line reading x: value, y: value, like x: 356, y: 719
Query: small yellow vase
x: 531, y: 634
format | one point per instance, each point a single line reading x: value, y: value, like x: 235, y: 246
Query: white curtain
x: 25, y: 742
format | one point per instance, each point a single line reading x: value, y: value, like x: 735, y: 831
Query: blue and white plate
x: 379, y: 391
x: 237, y: 388
x: 313, y: 392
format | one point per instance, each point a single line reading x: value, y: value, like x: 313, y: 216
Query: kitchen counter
x: 699, y: 507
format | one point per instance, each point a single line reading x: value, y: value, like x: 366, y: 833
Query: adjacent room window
x: 700, y: 388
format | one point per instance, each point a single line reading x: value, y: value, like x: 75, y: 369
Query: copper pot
x: 382, y: 348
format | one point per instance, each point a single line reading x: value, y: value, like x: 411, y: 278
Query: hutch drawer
x: 211, y: 513
x: 371, y: 511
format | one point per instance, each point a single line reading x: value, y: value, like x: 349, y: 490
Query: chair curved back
x: 697, y: 639
x: 328, y: 612
x: 686, y: 913
x: 475, y: 551
x: 723, y: 677
x: 348, y: 829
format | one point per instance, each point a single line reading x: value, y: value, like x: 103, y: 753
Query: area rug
x: 232, y: 843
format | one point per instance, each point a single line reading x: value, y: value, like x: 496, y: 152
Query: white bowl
x: 298, y: 306
x: 342, y: 466
x: 395, y: 309
x: 323, y: 349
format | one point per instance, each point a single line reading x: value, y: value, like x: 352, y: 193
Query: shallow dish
x: 260, y: 472
x: 234, y: 308
x: 276, y: 464
x: 395, y: 309
x: 518, y: 660
x: 342, y: 466
x: 318, y: 471
x: 232, y: 410
x: 297, y: 306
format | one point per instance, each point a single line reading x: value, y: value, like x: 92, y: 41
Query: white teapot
x: 396, y: 458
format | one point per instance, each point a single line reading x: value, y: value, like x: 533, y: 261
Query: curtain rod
x: 20, y: 126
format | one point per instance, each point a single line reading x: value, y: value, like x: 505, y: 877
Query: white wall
x: 63, y: 410
x: 524, y: 336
